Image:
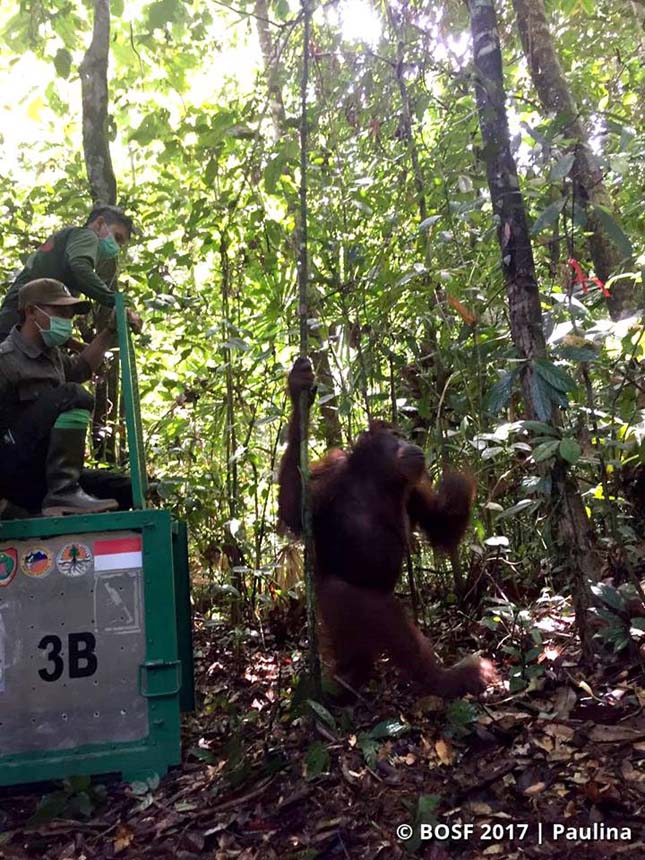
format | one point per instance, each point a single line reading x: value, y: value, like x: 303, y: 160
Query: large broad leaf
x: 609, y: 595
x: 546, y: 450
x: 17, y: 32
x: 562, y: 167
x: 540, y: 428
x: 389, y: 729
x: 370, y: 748
x: 500, y: 393
x: 578, y: 353
x: 428, y: 222
x: 322, y: 713
x: 548, y: 217
x: 614, y: 231
x: 147, y: 131
x: 523, y: 505
x: 554, y: 376
x: 540, y: 397
x: 163, y: 12
x: 570, y: 450
x: 316, y: 760
x: 50, y: 807
x: 63, y: 63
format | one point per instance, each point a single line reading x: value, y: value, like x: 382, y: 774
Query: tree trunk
x: 100, y: 174
x: 94, y: 87
x: 576, y: 542
x: 271, y: 66
x: 556, y: 97
x: 429, y: 349
x: 332, y: 430
x: 232, y: 482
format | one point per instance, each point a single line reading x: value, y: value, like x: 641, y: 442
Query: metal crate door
x: 89, y: 672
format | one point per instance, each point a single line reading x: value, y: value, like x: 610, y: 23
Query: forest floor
x: 256, y: 784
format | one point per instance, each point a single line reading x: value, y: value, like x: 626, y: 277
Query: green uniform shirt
x: 70, y: 256
x: 27, y: 370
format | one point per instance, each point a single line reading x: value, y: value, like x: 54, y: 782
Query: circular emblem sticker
x: 37, y: 562
x: 8, y: 564
x: 74, y: 559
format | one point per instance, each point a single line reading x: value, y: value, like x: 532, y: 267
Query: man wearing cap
x: 83, y: 258
x: 45, y: 411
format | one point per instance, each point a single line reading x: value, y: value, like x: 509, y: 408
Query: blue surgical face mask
x: 108, y: 247
x: 59, y: 331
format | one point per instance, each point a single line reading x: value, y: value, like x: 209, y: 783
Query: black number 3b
x: 82, y: 657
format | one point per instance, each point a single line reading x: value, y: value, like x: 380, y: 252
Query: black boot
x: 64, y: 463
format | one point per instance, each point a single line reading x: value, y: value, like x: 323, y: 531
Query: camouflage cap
x: 47, y: 291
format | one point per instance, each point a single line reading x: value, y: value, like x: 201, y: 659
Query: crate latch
x: 158, y: 678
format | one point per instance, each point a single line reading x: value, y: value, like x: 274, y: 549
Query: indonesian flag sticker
x: 118, y: 554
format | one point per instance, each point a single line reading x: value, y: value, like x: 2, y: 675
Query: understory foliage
x: 408, y: 303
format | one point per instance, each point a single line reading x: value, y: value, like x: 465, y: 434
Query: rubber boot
x: 64, y: 463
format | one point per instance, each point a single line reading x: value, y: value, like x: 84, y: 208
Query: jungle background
x: 501, y: 330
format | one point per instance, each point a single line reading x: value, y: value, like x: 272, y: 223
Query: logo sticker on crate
x: 37, y: 562
x: 8, y: 564
x: 74, y: 559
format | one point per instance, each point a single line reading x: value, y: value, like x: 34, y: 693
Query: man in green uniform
x: 83, y: 258
x: 45, y: 411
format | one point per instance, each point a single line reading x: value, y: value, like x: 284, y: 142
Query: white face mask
x: 59, y: 331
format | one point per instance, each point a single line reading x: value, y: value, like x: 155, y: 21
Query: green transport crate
x: 95, y: 633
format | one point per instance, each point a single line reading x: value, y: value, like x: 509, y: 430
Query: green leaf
x: 427, y: 806
x: 614, y: 231
x: 280, y: 9
x: 369, y: 748
x: 545, y: 450
x: 203, y: 754
x: 540, y: 397
x: 562, y: 167
x: 500, y: 393
x: 523, y: 505
x: 540, y: 428
x: 570, y: 450
x: 63, y: 63
x: 428, y: 222
x: 67, y: 27
x: 316, y: 760
x: 578, y: 353
x: 50, y: 807
x: 550, y: 214
x: 148, y: 130
x: 389, y: 729
x: 322, y: 713
x: 17, y: 32
x: 609, y: 595
x: 75, y: 784
x: 161, y: 13
x: 554, y: 376
x: 82, y: 804
x: 272, y: 173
